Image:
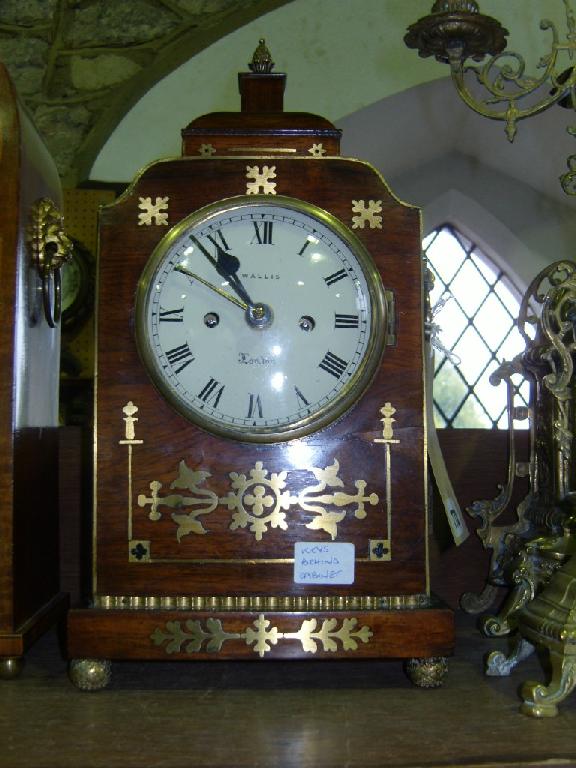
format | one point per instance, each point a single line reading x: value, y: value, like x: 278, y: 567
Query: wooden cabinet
x: 29, y: 361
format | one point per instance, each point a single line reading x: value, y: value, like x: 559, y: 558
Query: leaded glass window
x: 476, y: 308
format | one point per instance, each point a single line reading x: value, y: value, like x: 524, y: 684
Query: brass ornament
x: 153, y: 212
x: 261, y: 635
x: 130, y: 440
x: 260, y: 180
x: 206, y: 150
x: 367, y: 213
x: 317, y: 150
x: 382, y: 549
x: 261, y: 59
x: 547, y: 363
x: 50, y: 248
x: 139, y: 551
x: 253, y: 603
x: 533, y: 556
x: 90, y: 674
x: 258, y: 500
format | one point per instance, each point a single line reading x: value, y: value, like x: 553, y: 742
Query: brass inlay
x: 258, y: 501
x: 317, y: 150
x: 261, y: 635
x: 207, y: 150
x: 139, y: 551
x: 280, y: 603
x: 260, y: 180
x: 130, y: 411
x: 187, y: 522
x: 271, y: 150
x: 156, y: 211
x: 383, y: 550
x: 380, y: 550
x: 367, y: 214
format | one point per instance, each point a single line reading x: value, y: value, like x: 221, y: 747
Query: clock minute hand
x: 185, y: 271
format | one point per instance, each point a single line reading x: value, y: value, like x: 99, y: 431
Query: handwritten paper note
x: 323, y: 563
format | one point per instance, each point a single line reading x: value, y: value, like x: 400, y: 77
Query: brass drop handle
x: 50, y: 248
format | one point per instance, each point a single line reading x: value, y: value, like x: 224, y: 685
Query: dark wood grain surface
x: 9, y: 221
x: 28, y: 456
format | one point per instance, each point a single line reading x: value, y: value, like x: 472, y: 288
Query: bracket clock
x: 260, y: 439
x: 33, y: 247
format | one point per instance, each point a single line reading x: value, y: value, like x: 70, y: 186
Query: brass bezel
x: 350, y: 393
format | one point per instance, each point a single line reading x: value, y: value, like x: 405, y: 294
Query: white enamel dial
x: 260, y: 319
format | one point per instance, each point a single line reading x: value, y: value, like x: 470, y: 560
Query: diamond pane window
x: 477, y: 306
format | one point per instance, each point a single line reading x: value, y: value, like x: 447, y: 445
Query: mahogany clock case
x: 147, y: 557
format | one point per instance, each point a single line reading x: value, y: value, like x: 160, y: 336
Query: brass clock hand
x: 227, y: 266
x: 185, y: 271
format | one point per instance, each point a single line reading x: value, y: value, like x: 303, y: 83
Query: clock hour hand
x: 185, y: 271
x: 227, y: 266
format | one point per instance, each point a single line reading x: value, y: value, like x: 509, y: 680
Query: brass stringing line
x: 239, y: 561
x: 389, y: 492
x: 280, y: 150
x: 129, y: 493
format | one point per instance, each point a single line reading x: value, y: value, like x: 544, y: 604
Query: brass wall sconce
x: 455, y: 31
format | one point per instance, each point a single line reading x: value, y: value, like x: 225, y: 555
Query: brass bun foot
x: 90, y: 674
x: 427, y: 673
x: 11, y: 667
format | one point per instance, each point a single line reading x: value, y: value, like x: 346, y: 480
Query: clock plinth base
x: 423, y: 635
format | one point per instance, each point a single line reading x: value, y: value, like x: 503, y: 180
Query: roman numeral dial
x: 261, y: 320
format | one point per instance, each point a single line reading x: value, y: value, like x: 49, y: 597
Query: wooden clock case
x: 30, y: 598
x: 170, y: 583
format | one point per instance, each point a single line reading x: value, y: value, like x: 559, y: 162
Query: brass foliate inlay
x: 195, y: 636
x: 258, y: 500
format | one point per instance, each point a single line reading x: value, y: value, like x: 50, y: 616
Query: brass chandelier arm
x: 455, y: 31
x: 494, y: 78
